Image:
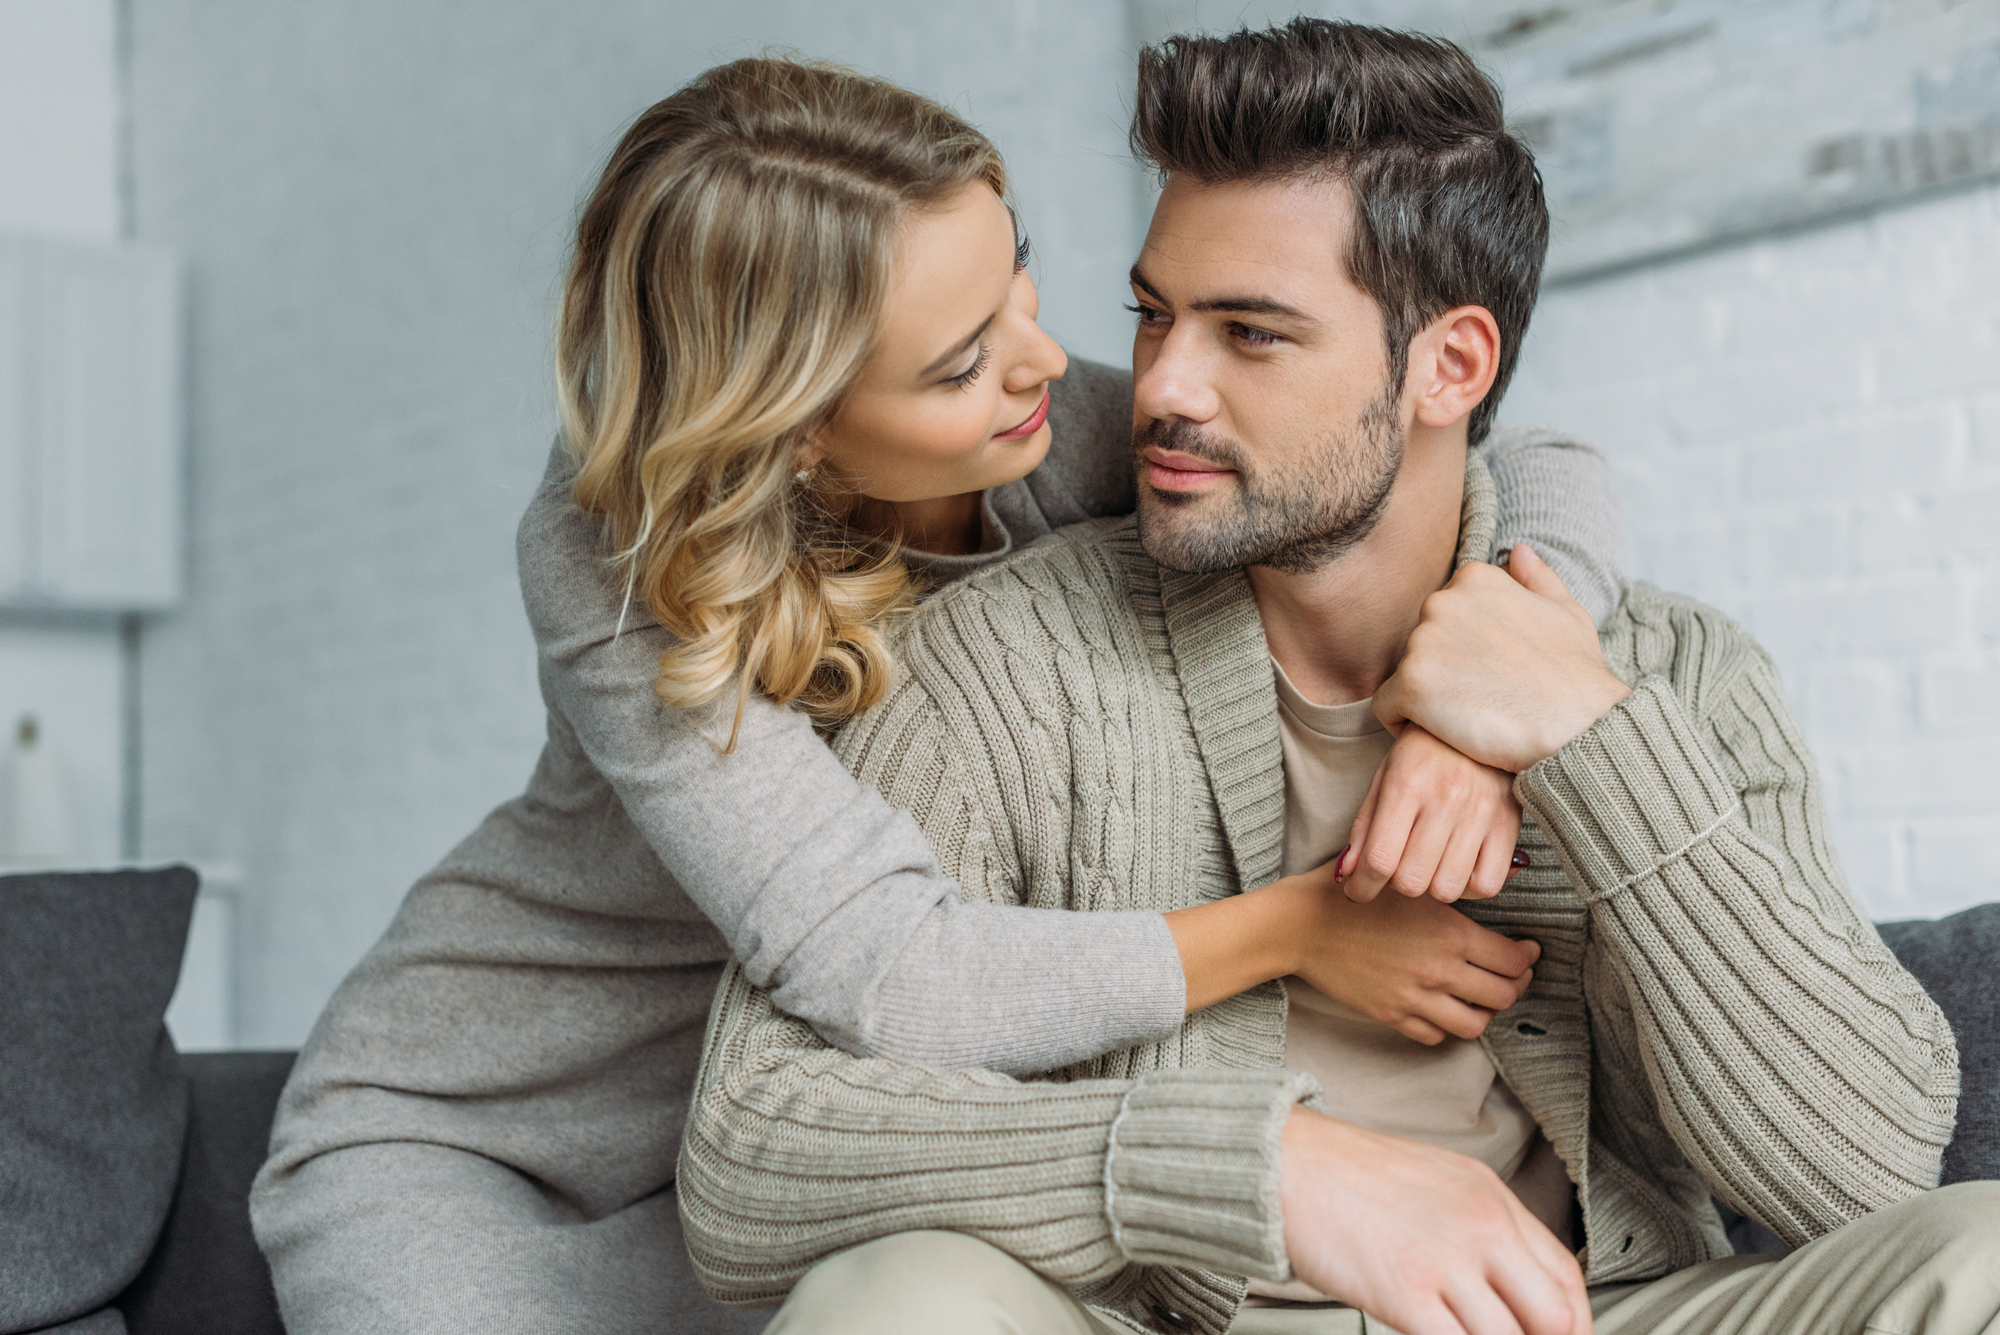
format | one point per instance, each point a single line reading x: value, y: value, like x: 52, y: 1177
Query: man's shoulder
x: 1087, y: 561
x: 1061, y: 591
x: 1700, y: 649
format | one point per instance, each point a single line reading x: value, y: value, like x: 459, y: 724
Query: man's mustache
x: 1177, y: 433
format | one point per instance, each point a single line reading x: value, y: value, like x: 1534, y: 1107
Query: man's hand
x: 1434, y: 822
x: 1418, y: 966
x: 1504, y: 666
x: 1427, y: 1241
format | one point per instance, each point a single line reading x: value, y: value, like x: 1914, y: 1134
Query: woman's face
x: 955, y: 398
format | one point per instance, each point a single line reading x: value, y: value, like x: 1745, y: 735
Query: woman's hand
x: 1414, y: 964
x: 1435, y: 823
x: 1420, y: 967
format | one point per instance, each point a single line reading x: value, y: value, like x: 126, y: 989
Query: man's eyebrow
x: 1233, y: 305
x: 958, y: 349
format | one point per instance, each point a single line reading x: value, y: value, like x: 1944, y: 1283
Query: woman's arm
x: 1560, y: 496
x: 818, y: 884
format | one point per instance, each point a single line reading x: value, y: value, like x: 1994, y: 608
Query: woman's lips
x: 1170, y: 470
x: 1032, y: 425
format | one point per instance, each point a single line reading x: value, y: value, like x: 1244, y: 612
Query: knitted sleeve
x: 1798, y: 1067
x: 821, y: 887
x: 794, y: 1151
x: 1560, y: 497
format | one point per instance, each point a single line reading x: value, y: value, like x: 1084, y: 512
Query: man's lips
x: 1032, y: 425
x: 1171, y: 470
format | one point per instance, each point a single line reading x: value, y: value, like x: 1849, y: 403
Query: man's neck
x: 1339, y: 631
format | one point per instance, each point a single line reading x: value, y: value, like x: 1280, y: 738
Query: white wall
x: 59, y: 116
x: 1808, y: 432
x: 373, y: 198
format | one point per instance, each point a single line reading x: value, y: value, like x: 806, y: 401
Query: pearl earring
x: 803, y: 476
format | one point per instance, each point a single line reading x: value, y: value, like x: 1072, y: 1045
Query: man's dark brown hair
x: 1448, y: 205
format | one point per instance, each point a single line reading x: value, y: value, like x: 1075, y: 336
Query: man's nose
x: 1172, y: 379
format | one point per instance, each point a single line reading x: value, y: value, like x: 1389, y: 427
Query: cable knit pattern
x: 1081, y: 729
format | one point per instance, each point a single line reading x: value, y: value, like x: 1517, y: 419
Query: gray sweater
x: 1082, y: 728
x: 536, y: 1006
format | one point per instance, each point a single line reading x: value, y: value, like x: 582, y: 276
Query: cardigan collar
x: 1224, y: 665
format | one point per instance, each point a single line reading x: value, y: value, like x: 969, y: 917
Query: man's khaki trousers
x: 1929, y: 1266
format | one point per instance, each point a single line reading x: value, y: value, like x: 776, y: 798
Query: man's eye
x: 1256, y: 338
x: 1148, y: 314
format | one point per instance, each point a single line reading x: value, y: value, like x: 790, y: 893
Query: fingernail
x: 1339, y: 864
x: 1521, y: 859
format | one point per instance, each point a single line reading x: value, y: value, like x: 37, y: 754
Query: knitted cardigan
x: 1081, y: 728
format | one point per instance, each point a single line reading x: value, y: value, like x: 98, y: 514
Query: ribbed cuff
x: 1631, y: 793
x: 1191, y: 1172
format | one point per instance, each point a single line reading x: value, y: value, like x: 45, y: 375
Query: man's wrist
x: 1592, y: 708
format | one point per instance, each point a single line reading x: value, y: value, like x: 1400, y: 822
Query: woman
x: 800, y: 378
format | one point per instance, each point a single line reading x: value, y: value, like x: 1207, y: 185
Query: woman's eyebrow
x: 958, y: 349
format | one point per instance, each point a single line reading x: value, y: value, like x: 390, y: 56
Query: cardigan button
x: 1169, y: 1317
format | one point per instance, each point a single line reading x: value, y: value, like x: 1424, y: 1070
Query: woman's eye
x: 1022, y: 250
x: 964, y: 379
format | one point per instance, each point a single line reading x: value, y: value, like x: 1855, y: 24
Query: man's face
x: 1264, y: 429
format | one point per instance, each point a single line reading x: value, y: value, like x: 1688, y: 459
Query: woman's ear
x: 1456, y: 358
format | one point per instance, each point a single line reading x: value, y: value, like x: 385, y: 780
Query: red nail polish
x: 1340, y: 877
x: 1521, y: 859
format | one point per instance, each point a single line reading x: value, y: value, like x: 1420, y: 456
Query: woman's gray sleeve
x: 1560, y: 496
x: 821, y: 888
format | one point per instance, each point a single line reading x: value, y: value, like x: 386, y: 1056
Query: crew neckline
x: 1346, y: 722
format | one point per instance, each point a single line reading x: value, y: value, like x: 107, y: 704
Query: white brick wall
x: 1808, y: 433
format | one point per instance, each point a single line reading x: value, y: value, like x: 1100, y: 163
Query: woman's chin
x: 1015, y: 459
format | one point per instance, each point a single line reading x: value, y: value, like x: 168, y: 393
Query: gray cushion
x: 1957, y: 959
x: 93, y: 1105
x: 206, y: 1276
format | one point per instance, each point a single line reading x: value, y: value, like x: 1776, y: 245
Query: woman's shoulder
x: 1088, y: 471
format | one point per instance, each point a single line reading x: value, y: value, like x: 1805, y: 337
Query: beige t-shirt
x: 1449, y: 1095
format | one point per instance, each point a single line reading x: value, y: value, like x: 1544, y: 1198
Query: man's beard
x: 1295, y: 518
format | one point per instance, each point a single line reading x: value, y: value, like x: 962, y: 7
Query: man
x: 1330, y: 299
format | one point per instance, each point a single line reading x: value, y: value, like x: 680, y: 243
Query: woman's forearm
x: 1231, y: 945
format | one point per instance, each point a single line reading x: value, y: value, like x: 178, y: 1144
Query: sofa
x: 125, y: 1165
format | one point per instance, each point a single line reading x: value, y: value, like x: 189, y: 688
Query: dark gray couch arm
x: 206, y: 1276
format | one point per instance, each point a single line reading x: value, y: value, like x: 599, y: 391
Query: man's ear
x: 1453, y: 362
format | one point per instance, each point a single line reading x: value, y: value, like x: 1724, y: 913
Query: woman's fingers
x: 1499, y: 954
x: 1496, y: 855
x: 1420, y: 1029
x: 1489, y: 991
x: 1422, y: 854
x: 1357, y: 839
x: 1456, y: 1018
x: 1453, y: 876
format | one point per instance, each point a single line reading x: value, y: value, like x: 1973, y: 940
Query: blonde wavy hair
x: 727, y: 286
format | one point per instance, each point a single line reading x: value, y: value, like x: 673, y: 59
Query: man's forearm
x: 1804, y: 1073
x: 794, y: 1151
